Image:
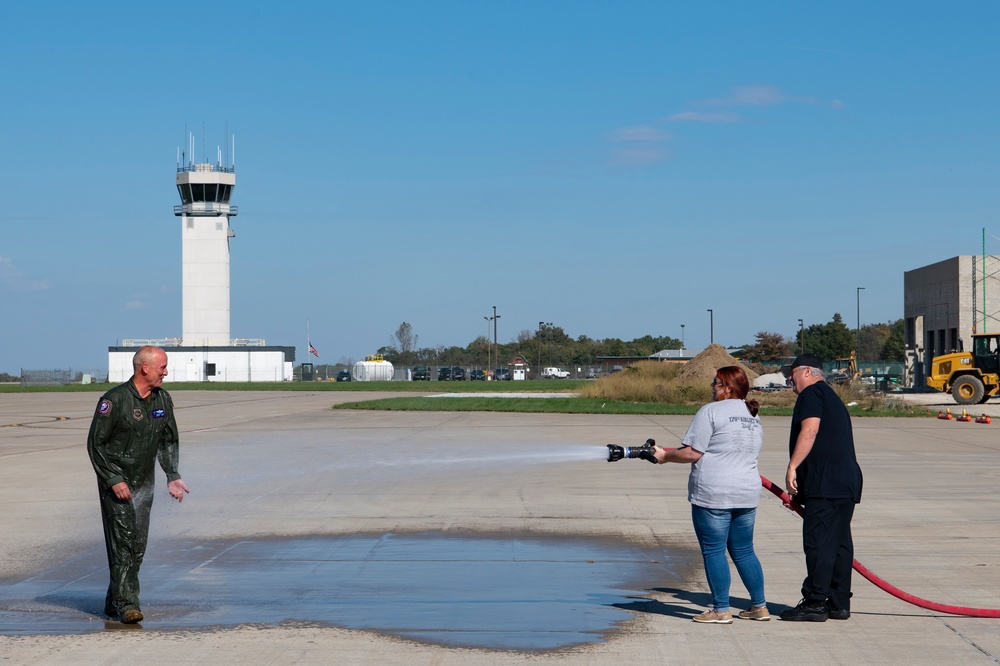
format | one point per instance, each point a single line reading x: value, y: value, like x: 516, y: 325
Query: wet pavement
x: 499, y: 592
x: 317, y: 536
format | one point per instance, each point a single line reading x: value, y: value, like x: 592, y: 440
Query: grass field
x: 574, y: 405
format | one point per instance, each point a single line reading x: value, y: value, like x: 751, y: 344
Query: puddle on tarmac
x: 535, y: 593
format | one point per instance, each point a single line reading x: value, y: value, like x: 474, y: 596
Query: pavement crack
x: 971, y: 642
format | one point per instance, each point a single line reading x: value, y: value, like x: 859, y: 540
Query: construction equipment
x: 848, y: 375
x: 971, y: 378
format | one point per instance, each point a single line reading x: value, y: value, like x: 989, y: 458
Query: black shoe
x: 838, y: 614
x: 807, y: 611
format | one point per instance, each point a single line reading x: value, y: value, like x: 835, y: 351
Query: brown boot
x: 131, y: 616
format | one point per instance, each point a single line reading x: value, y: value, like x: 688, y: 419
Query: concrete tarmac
x: 279, y: 477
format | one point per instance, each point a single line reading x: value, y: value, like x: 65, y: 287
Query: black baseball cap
x: 807, y: 360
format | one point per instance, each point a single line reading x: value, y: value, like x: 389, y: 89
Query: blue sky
x: 615, y: 168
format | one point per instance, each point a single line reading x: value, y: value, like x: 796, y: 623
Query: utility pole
x: 538, y: 370
x: 496, y: 350
x: 857, y: 353
x: 711, y: 326
x: 802, y: 337
x: 488, y: 320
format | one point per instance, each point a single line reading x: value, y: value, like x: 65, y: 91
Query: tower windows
x: 204, y: 192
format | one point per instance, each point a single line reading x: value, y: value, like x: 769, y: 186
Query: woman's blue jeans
x: 720, y: 530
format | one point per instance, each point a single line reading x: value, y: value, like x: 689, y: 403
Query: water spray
x: 645, y: 452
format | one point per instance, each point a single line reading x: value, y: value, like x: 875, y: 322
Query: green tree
x: 831, y: 340
x: 405, y: 343
x: 390, y: 354
x: 894, y: 348
x: 768, y: 348
x: 611, y: 347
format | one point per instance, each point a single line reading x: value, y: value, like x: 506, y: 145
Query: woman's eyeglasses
x: 716, y: 382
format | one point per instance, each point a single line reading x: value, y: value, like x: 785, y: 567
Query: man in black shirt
x: 824, y: 477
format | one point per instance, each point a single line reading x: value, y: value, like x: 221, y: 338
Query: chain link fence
x: 59, y: 377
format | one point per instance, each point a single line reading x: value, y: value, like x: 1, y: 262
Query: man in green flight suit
x: 132, y: 428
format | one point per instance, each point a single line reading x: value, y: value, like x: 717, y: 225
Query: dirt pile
x: 702, y: 368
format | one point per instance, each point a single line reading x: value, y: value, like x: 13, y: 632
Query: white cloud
x: 636, y: 156
x: 7, y: 269
x: 639, y: 146
x: 135, y: 304
x: 639, y: 133
x: 702, y: 117
x: 11, y: 277
x: 757, y: 96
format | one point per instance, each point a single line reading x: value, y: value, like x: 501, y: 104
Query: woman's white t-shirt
x: 726, y: 475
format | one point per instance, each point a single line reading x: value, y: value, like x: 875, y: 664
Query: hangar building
x: 943, y: 304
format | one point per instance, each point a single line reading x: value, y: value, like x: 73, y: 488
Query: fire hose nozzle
x: 645, y: 452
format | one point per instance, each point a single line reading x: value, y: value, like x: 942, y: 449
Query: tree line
x: 550, y: 345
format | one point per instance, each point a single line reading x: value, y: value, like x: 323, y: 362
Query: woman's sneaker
x: 714, y: 617
x: 755, y: 614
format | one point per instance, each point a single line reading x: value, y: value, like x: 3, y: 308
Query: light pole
x: 857, y: 358
x: 682, y: 337
x: 488, y: 320
x: 548, y: 342
x: 496, y: 350
x: 538, y: 369
x: 802, y: 337
x: 711, y: 326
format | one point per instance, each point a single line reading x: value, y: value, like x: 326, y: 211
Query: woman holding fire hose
x: 722, y: 444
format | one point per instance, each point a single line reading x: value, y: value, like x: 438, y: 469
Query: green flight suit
x: 127, y: 435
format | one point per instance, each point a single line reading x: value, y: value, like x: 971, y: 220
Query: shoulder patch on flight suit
x: 104, y: 407
x: 137, y: 414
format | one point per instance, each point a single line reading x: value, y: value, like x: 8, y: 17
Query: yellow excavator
x: 848, y: 375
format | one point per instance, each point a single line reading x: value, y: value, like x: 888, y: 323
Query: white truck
x: 554, y: 373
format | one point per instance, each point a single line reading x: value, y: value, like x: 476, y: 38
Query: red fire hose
x: 878, y: 582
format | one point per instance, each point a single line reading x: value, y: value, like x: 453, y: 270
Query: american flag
x: 312, y: 350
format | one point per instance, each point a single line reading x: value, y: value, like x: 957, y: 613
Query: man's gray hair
x: 144, y: 355
x: 816, y: 372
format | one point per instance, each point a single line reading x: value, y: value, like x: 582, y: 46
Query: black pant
x: 829, y: 549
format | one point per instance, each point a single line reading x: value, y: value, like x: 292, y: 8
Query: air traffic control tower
x: 205, y: 352
x: 205, y: 210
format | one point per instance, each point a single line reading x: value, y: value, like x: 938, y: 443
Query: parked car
x: 421, y: 373
x: 477, y: 375
x: 451, y: 373
x: 344, y: 376
x: 502, y: 374
x: 555, y: 373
